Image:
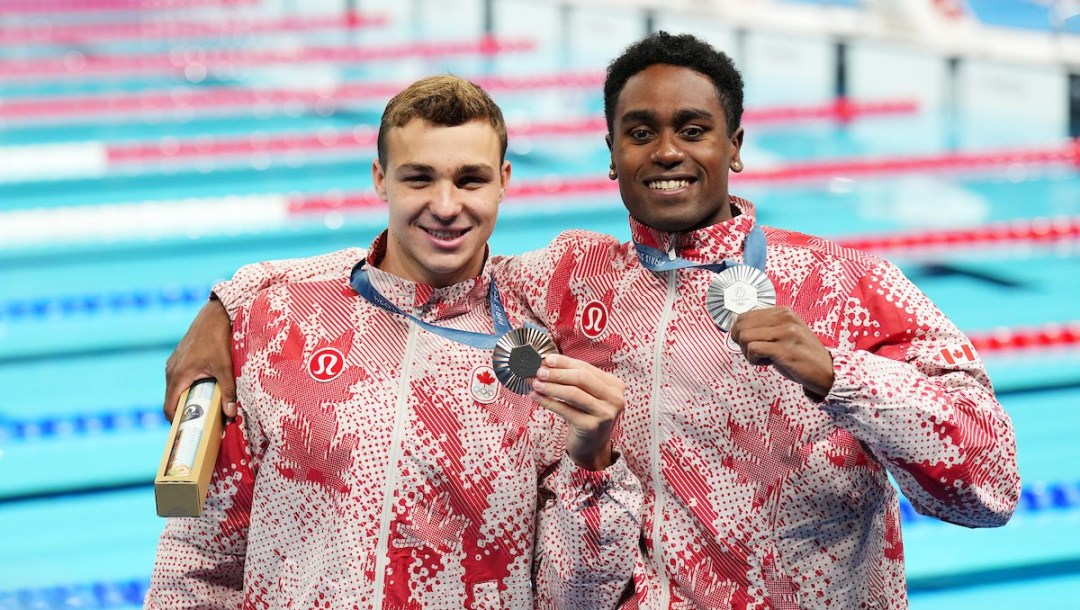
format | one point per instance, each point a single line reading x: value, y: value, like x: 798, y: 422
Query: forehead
x: 665, y: 89
x: 421, y: 142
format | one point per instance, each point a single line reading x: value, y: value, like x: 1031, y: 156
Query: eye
x: 640, y: 134
x: 416, y: 180
x: 472, y: 182
x: 693, y: 132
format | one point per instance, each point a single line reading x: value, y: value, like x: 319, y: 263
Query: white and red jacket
x: 374, y: 464
x: 757, y: 496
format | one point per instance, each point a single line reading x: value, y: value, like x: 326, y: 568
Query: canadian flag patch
x: 482, y: 385
x: 964, y: 353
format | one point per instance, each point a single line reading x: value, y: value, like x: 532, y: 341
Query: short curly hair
x: 682, y: 50
x: 445, y: 100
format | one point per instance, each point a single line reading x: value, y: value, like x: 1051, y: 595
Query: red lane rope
x: 81, y: 107
x: 948, y: 162
x: 361, y: 140
x: 1024, y: 231
x: 83, y: 6
x: 324, y: 141
x: 75, y: 63
x: 1069, y: 154
x: 841, y: 109
x: 1043, y: 337
x: 53, y: 33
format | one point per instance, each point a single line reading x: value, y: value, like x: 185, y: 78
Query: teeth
x: 445, y: 234
x: 668, y: 185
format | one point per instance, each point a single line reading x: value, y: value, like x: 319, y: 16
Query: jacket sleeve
x: 241, y: 289
x: 542, y: 279
x: 200, y: 561
x: 588, y: 530
x: 910, y: 386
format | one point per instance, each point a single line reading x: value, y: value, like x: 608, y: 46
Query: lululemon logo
x: 594, y: 319
x: 326, y: 364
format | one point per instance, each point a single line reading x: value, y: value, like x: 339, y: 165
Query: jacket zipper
x: 382, y: 550
x: 654, y: 413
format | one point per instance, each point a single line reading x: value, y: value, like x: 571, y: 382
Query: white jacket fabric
x: 757, y: 496
x: 400, y: 475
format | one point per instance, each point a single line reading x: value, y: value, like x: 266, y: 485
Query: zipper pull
x: 671, y: 254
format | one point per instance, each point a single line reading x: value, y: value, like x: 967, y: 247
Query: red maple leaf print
x: 432, y: 525
x: 709, y: 592
x: 310, y: 455
x: 894, y: 543
x: 234, y: 459
x: 260, y: 324
x: 485, y: 377
x: 770, y: 458
x: 846, y: 452
x: 288, y: 376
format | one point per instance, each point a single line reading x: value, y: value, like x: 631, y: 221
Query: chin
x: 670, y: 224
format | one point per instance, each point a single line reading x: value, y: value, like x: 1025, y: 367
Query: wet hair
x: 448, y: 101
x: 681, y: 50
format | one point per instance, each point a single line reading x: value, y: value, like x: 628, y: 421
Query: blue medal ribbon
x: 361, y: 283
x: 754, y: 254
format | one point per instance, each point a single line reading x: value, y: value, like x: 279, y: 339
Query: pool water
x: 110, y: 265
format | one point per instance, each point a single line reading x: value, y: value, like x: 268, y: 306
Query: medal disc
x: 518, y: 355
x: 736, y: 290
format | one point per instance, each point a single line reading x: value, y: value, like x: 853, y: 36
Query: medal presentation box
x: 183, y: 478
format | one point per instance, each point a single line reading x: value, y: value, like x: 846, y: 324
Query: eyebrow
x: 475, y: 168
x: 422, y: 168
x: 414, y: 167
x: 639, y: 116
x: 682, y: 116
x: 688, y: 115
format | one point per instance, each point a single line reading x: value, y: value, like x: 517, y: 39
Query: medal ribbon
x: 361, y: 283
x: 754, y: 254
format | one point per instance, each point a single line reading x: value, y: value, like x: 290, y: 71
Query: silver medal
x: 518, y: 355
x: 736, y: 290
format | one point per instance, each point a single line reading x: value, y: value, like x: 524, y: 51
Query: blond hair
x: 443, y: 100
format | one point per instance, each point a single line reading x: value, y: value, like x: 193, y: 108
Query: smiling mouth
x: 445, y: 234
x: 668, y: 185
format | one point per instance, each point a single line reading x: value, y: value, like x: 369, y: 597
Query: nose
x: 668, y: 153
x: 445, y: 201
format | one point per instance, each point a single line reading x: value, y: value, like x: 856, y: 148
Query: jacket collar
x: 709, y: 244
x: 421, y: 300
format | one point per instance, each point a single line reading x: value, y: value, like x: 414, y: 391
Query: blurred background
x: 150, y: 147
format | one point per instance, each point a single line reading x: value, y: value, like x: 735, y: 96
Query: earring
x: 736, y: 166
x: 612, y: 174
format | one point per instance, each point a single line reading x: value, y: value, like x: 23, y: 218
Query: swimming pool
x: 103, y: 264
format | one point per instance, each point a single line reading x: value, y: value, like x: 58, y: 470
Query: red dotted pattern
x: 465, y: 488
x: 755, y: 496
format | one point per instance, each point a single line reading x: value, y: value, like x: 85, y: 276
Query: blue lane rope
x: 1035, y: 497
x: 82, y: 424
x: 102, y: 594
x: 72, y: 305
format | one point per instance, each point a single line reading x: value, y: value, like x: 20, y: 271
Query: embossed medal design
x: 736, y: 290
x: 518, y: 355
